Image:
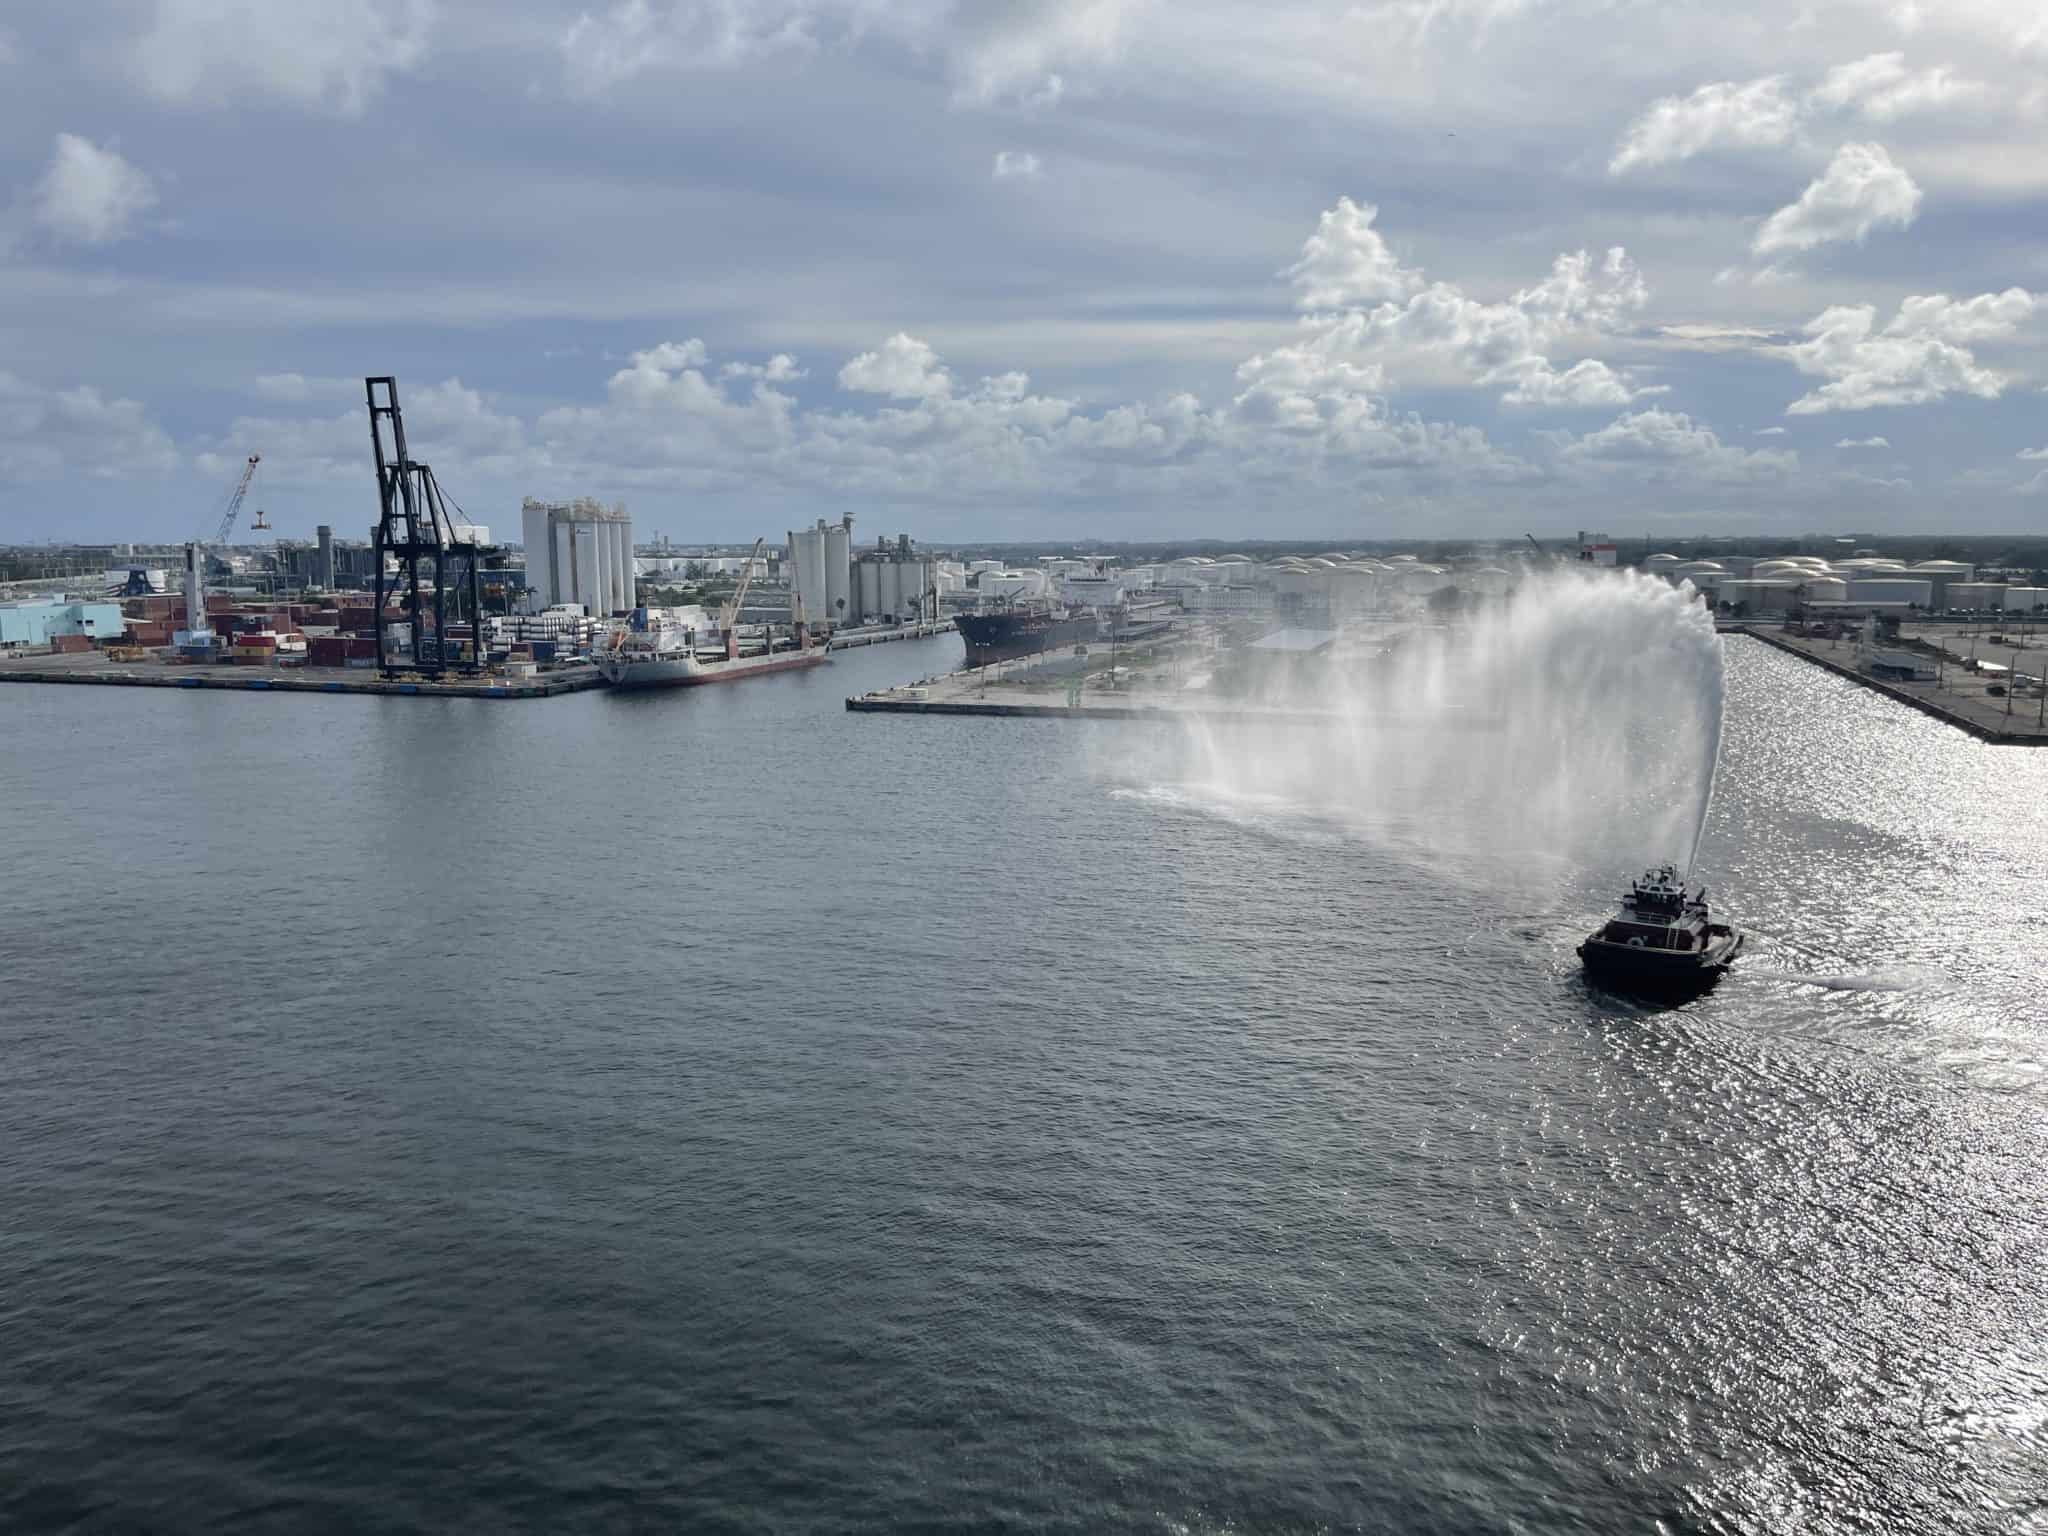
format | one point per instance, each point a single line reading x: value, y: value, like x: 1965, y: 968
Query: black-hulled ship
x: 1024, y: 629
x: 1662, y: 939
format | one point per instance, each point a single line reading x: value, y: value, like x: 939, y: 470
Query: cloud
x: 1017, y: 165
x: 1767, y: 113
x: 1756, y: 114
x: 90, y: 195
x: 1863, y: 442
x: 333, y: 56
x: 779, y: 369
x: 1437, y: 330
x: 635, y: 37
x: 53, y: 434
x: 448, y: 424
x: 903, y: 368
x: 1861, y: 190
x: 2033, y: 454
x: 1770, y: 431
x: 1882, y: 89
x: 1923, y: 354
x: 1018, y: 52
x: 1347, y: 262
x: 1670, y: 445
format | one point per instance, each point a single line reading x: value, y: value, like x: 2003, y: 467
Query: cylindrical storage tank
x: 2025, y: 599
x: 1891, y: 589
x: 586, y: 564
x: 1661, y: 563
x: 563, y: 588
x: 1970, y: 596
x: 605, y: 581
x: 1827, y: 589
x: 1771, y: 570
x: 868, y: 583
x: 624, y: 594
x: 839, y: 571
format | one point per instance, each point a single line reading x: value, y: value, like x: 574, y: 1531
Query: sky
x: 1122, y: 269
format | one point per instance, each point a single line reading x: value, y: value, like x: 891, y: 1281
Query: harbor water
x: 719, y: 1111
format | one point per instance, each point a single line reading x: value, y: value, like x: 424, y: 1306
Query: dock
x: 95, y: 669
x: 1020, y: 690
x: 1958, y: 699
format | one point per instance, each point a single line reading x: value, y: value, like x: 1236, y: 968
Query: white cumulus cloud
x: 2033, y: 454
x: 903, y: 368
x: 1017, y: 165
x: 1863, y: 442
x: 1671, y: 445
x: 1923, y: 354
x: 90, y: 195
x: 1753, y: 114
x: 1370, y: 318
x: 1348, y: 262
x: 1861, y: 190
x: 1883, y: 89
x: 331, y: 56
x: 1768, y: 113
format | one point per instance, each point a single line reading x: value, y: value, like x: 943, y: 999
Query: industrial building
x: 38, y: 622
x: 578, y: 552
x: 893, y: 584
x: 821, y: 574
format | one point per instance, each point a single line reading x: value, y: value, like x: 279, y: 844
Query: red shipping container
x: 67, y: 645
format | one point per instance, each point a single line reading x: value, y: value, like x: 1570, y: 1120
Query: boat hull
x: 1005, y: 636
x: 695, y: 671
x: 1642, y: 968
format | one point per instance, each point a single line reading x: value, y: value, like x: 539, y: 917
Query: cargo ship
x: 1024, y: 629
x: 660, y: 648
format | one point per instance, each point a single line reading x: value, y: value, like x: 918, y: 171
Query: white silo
x: 867, y: 587
x: 624, y: 592
x: 839, y: 603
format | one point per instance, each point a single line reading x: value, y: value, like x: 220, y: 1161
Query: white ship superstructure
x: 684, y: 647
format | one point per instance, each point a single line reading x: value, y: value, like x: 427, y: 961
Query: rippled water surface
x: 721, y: 1111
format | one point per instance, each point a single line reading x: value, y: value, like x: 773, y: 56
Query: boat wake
x: 1899, y: 980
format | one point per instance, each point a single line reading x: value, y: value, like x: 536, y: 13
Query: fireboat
x: 1662, y: 939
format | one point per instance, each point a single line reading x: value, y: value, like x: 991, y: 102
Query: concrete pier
x: 1958, y: 699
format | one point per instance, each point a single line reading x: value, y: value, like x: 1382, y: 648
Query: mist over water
x: 1568, y: 730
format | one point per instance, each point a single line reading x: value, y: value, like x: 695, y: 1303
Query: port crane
x: 197, y: 630
x: 729, y: 616
x: 414, y: 526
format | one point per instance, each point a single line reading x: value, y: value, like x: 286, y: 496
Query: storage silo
x: 867, y: 586
x: 624, y: 592
x: 2025, y: 599
x: 1827, y: 589
x: 839, y: 571
x: 808, y: 595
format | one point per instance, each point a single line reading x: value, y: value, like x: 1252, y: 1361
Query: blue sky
x: 1054, y: 268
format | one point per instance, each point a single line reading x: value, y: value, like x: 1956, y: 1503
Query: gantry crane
x: 413, y: 525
